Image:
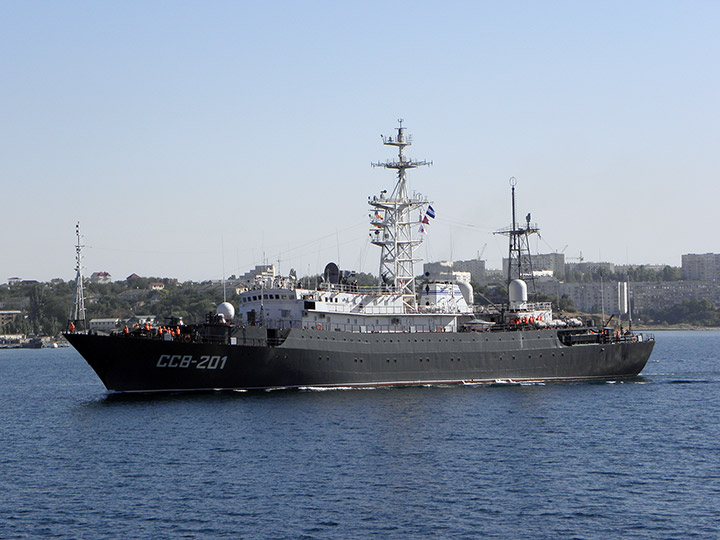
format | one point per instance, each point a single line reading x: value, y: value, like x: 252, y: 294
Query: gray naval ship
x: 402, y: 331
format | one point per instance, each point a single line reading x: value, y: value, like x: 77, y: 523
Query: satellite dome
x: 227, y: 310
x: 518, y: 292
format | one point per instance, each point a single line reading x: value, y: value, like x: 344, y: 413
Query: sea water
x: 635, y: 459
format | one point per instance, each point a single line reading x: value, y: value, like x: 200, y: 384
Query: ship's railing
x: 533, y: 306
x: 355, y: 328
x: 330, y: 307
x: 200, y: 337
x: 593, y: 336
x: 453, y: 309
x: 357, y: 289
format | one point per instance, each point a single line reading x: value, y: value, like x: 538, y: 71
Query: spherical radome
x: 227, y: 310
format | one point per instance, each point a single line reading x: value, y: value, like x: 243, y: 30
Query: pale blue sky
x: 171, y: 129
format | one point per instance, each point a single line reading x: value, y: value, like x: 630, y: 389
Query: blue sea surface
x: 634, y: 460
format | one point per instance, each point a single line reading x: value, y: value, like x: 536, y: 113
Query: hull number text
x: 188, y: 361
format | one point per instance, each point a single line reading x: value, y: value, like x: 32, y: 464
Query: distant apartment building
x: 644, y: 296
x: 476, y: 268
x: 450, y: 271
x: 445, y: 271
x: 705, y: 266
x: 15, y: 281
x: 666, y: 294
x: 262, y: 272
x: 6, y: 317
x: 542, y: 262
x: 436, y: 268
x: 590, y: 267
x: 587, y: 297
x: 105, y: 325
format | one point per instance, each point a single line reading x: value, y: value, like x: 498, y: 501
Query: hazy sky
x: 188, y: 137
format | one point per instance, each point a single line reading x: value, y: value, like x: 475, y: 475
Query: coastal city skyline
x: 695, y: 265
x: 199, y: 140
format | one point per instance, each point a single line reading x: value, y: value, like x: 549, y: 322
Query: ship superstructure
x: 392, y: 306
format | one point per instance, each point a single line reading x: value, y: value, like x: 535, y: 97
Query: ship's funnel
x: 467, y: 292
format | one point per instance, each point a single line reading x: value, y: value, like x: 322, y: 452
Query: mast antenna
x: 393, y: 225
x: 76, y: 320
x: 222, y: 246
x: 519, y: 259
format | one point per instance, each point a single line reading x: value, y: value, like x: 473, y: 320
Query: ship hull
x: 312, y: 358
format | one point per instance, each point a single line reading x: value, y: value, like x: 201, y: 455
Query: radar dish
x: 332, y: 273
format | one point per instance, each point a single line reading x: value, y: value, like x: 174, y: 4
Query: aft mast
x: 519, y: 260
x: 392, y: 218
x: 76, y: 320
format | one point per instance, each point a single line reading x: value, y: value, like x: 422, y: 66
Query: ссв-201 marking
x: 186, y: 361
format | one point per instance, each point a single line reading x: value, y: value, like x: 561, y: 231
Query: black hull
x: 311, y: 358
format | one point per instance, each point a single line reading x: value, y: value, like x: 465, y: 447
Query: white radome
x: 518, y: 291
x: 227, y: 310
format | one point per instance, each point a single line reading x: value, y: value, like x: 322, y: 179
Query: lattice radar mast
x: 519, y: 259
x: 393, y: 224
x: 77, y: 311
